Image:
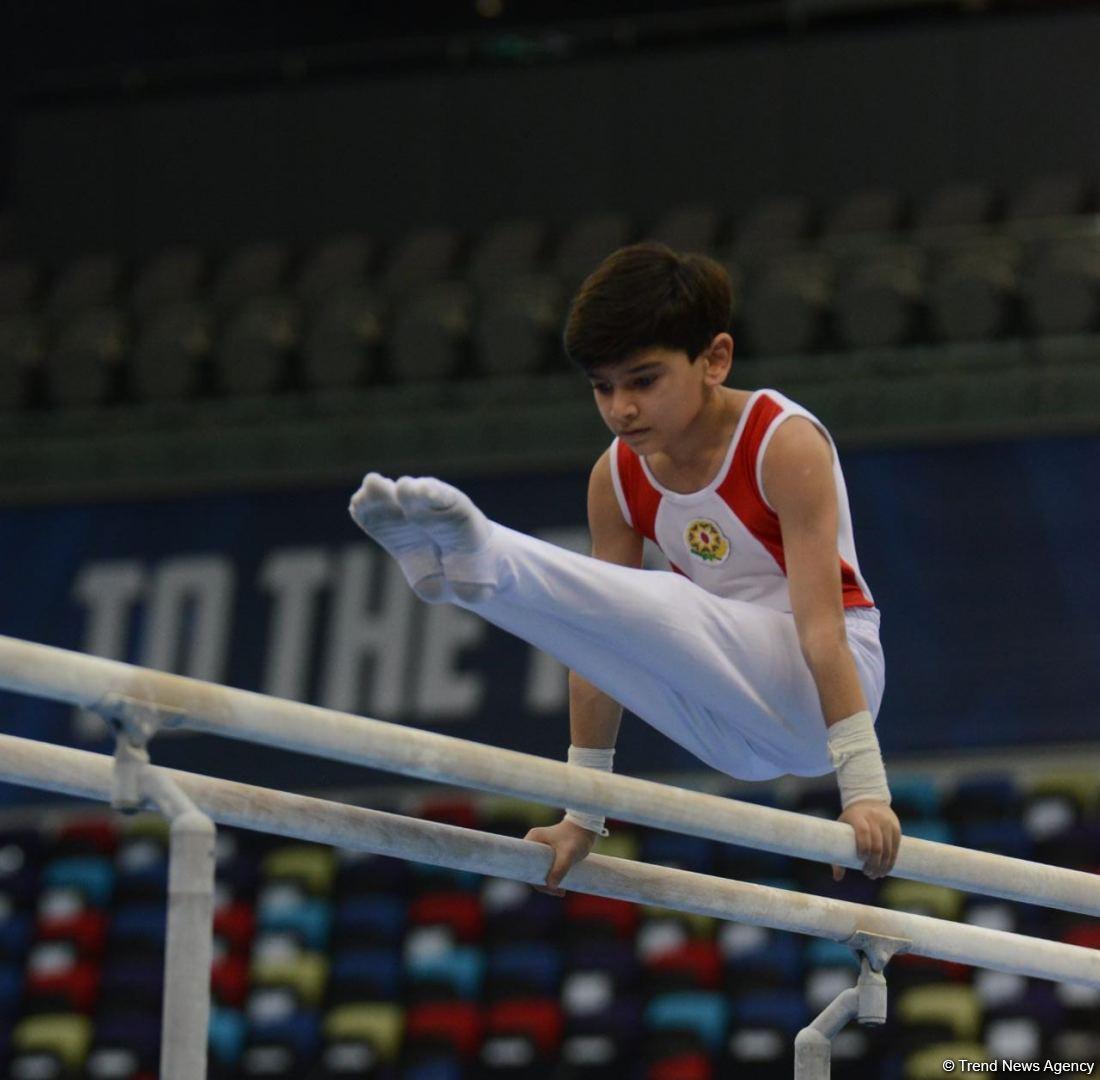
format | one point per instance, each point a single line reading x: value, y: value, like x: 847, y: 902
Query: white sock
x: 459, y: 530
x: 375, y: 509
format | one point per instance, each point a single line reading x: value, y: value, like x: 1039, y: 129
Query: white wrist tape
x: 855, y: 754
x: 586, y: 757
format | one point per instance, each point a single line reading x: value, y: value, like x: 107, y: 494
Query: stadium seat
x: 22, y: 345
x: 954, y: 206
x: 586, y: 912
x: 379, y: 1023
x: 366, y: 974
x: 972, y: 290
x: 457, y: 1024
x: 694, y: 965
x: 936, y: 1013
x: 922, y: 898
x: 878, y: 300
x: 170, y: 350
x: 1061, y: 290
x: 252, y: 352
x: 1053, y: 195
x: 455, y: 970
x: 516, y: 325
x: 67, y: 1036
x: 523, y: 1031
x: 371, y: 919
x: 92, y: 876
x: 172, y: 276
x: 333, y: 264
x: 773, y: 226
x: 228, y: 1031
x: 420, y: 258
x: 251, y: 271
x: 20, y: 863
x: 425, y: 878
x: 360, y: 872
x: 309, y: 921
x: 756, y: 954
x: 586, y: 242
x: 19, y: 283
x: 341, y: 339
x: 229, y: 982
x: 89, y: 281
x: 524, y: 968
x: 683, y: 852
x: 84, y: 358
x: 786, y: 305
x: 429, y: 333
x: 705, y: 1013
x: 1020, y: 1031
x: 309, y: 865
x: 305, y: 974
x: 505, y: 251
x: 869, y: 213
x: 983, y: 797
x: 691, y: 228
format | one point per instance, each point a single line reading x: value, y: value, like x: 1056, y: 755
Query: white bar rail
x: 84, y: 680
x: 77, y: 772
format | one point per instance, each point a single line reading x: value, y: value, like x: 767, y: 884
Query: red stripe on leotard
x: 739, y: 490
x: 642, y: 498
x: 741, y: 493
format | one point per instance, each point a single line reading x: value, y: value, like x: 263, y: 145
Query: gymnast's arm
x: 593, y: 716
x: 798, y: 480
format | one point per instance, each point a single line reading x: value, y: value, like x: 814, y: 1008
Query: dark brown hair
x: 646, y: 295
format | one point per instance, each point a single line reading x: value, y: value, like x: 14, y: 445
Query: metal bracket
x: 875, y: 952
x: 134, y: 723
x: 136, y: 720
x: 878, y: 949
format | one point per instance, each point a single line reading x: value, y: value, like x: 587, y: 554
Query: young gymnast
x: 759, y: 652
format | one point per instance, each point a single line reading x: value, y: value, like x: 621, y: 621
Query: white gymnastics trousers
x: 723, y: 678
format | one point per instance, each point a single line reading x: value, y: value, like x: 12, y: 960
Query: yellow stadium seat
x: 955, y: 1006
x: 312, y: 865
x: 380, y: 1025
x: 67, y: 1035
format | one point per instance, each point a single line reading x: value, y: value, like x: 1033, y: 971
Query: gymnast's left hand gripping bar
x: 88, y: 681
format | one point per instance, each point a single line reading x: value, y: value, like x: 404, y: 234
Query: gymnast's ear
x: 718, y: 356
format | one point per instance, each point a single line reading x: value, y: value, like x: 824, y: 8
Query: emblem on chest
x: 706, y: 542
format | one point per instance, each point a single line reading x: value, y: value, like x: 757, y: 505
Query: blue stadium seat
x: 684, y: 852
x: 784, y: 1009
x: 705, y: 1013
x: 228, y: 1030
x: 366, y: 974
x: 460, y: 968
x: 91, y: 875
x: 369, y: 918
x: 534, y: 965
x: 310, y: 919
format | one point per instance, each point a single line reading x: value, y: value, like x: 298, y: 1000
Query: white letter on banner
x: 442, y: 691
x: 294, y: 577
x: 547, y: 686
x: 360, y: 631
x: 189, y: 613
x: 108, y: 590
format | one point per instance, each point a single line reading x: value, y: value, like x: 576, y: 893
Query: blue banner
x: 981, y: 557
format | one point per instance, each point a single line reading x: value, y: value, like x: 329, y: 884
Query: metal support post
x: 189, y: 946
x: 865, y: 1002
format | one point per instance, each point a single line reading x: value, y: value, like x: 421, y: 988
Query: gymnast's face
x: 651, y: 398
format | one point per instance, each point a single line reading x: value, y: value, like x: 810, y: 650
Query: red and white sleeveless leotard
x: 726, y: 537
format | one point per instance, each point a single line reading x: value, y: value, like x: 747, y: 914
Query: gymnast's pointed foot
x: 459, y: 530
x: 375, y: 509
